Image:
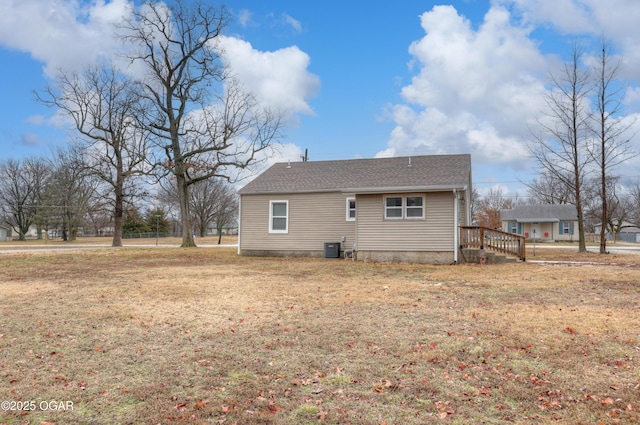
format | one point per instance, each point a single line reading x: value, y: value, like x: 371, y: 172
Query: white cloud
x: 475, y: 91
x: 568, y: 16
x: 35, y: 119
x: 30, y: 139
x: 632, y: 98
x: 279, y: 78
x: 245, y: 18
x: 62, y: 33
x: 617, y: 20
x: 278, y: 152
x: 294, y: 23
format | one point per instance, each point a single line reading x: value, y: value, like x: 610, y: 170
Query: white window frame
x: 349, y: 209
x: 271, y: 217
x: 394, y: 208
x: 407, y: 207
x: 566, y: 227
x: 404, y: 208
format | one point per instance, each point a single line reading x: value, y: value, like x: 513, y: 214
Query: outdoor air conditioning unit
x: 332, y: 250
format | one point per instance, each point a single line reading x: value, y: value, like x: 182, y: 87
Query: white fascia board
x: 404, y: 189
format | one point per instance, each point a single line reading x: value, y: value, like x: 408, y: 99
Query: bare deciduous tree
x: 560, y: 148
x: 102, y: 103
x: 203, y: 124
x: 634, y: 203
x: 549, y: 190
x: 226, y: 209
x: 208, y: 199
x: 213, y: 202
x: 70, y: 192
x: 21, y: 187
x: 475, y: 205
x: 611, y: 146
x: 490, y: 206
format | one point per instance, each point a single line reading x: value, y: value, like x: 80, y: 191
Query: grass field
x: 199, y: 336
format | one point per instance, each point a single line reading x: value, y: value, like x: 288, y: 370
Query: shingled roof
x: 540, y: 213
x: 433, y: 172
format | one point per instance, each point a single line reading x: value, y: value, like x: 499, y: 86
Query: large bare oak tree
x: 203, y: 123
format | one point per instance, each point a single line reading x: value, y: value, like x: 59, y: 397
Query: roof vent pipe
x: 289, y: 164
x: 409, y: 162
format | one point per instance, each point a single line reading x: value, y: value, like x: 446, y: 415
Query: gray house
x: 387, y: 209
x: 627, y: 232
x: 543, y: 222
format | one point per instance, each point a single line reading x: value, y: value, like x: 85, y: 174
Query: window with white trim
x: 351, y: 209
x: 404, y: 207
x: 278, y: 216
x: 414, y: 207
x: 393, y: 207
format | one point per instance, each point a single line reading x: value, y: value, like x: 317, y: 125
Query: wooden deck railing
x: 494, y: 240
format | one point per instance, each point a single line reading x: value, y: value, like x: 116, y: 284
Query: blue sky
x: 361, y: 79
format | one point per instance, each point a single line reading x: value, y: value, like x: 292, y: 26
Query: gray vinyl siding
x: 433, y: 233
x: 314, y: 218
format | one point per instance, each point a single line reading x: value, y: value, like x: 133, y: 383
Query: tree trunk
x: 183, y: 194
x: 118, y: 220
x: 22, y: 228
x: 582, y: 246
x: 72, y: 231
x: 203, y: 226
x: 118, y: 213
x: 603, y: 230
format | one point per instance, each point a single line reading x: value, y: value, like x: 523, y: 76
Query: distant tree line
x: 61, y: 197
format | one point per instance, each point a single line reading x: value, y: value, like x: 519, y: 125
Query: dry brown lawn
x: 199, y: 336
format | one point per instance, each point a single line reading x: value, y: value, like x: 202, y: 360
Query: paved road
x: 617, y: 248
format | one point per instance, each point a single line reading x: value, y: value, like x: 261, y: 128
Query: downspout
x: 455, y: 226
x: 239, y: 222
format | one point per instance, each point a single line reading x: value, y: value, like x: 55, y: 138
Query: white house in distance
x: 388, y: 209
x: 548, y: 223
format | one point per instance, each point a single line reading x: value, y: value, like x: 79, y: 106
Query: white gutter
x: 455, y: 226
x: 404, y: 189
x: 365, y: 190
